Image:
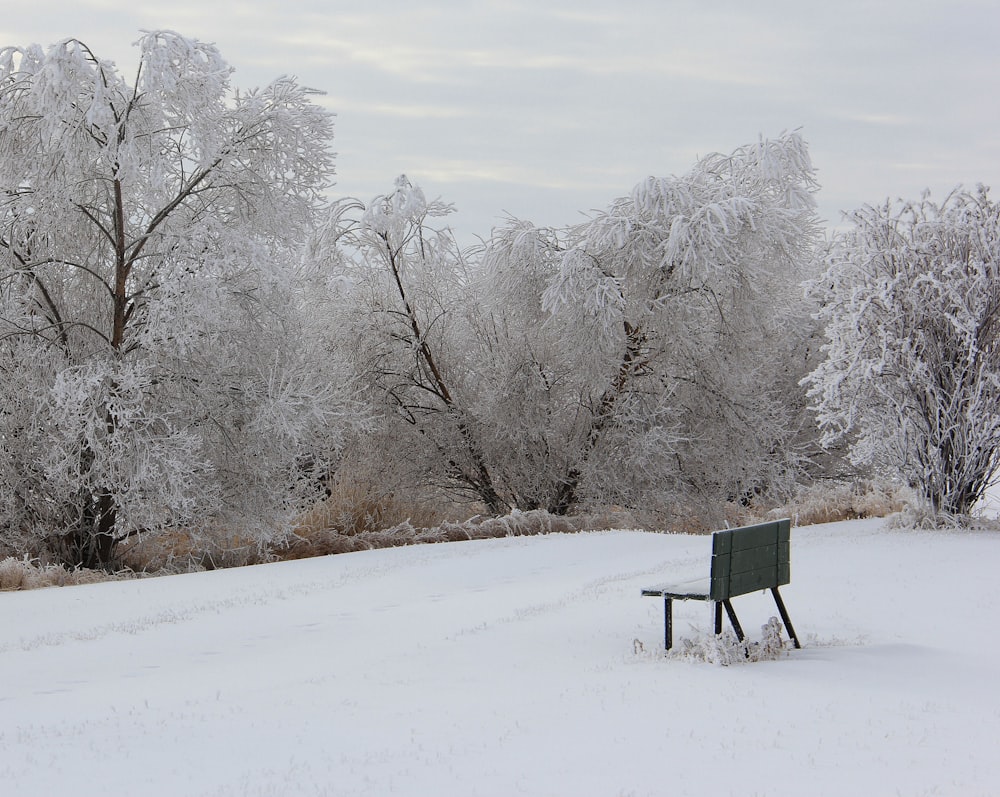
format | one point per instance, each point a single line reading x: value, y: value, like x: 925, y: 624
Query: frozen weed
x: 26, y: 573
x: 725, y: 649
x: 924, y: 518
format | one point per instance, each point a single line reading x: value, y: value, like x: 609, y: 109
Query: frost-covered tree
x: 651, y: 350
x: 646, y: 356
x: 402, y: 318
x: 911, y: 302
x: 533, y: 373
x: 153, y: 370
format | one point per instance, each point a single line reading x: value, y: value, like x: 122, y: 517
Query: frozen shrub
x: 911, y: 378
x: 725, y: 649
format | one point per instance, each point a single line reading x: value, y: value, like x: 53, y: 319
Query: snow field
x: 516, y: 666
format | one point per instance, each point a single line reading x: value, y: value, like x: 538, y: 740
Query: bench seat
x: 694, y: 589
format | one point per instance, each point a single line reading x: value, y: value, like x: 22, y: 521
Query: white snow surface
x: 520, y: 666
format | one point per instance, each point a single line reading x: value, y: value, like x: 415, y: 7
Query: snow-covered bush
x: 911, y: 302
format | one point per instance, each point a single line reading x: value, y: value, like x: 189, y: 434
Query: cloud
x: 345, y: 105
x: 881, y: 119
x: 411, y: 48
x: 467, y: 171
x: 560, y: 105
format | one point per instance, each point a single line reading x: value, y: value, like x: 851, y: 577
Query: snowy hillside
x: 515, y: 666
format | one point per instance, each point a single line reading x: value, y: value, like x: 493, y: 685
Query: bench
x: 744, y: 560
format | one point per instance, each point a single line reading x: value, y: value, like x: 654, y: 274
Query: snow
x: 527, y: 665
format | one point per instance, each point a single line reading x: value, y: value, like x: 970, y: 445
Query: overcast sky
x: 545, y: 109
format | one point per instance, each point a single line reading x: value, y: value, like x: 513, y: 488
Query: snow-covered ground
x: 506, y: 667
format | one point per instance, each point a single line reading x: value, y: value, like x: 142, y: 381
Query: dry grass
x: 190, y: 549
x: 19, y: 574
x: 692, y: 519
x: 358, y: 516
x: 338, y: 526
x: 827, y: 502
x: 820, y: 502
x: 356, y: 506
x: 516, y: 524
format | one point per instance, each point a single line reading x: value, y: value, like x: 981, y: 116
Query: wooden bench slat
x: 754, y: 536
x: 753, y: 581
x: 752, y: 558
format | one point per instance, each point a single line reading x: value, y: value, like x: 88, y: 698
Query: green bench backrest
x: 751, y: 558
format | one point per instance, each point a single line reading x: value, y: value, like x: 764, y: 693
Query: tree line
x: 192, y: 334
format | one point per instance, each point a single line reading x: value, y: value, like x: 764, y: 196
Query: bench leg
x: 732, y: 619
x: 784, y: 617
x: 718, y: 617
x: 668, y: 623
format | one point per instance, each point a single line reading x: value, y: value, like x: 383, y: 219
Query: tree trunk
x: 101, y: 542
x: 632, y: 361
x: 478, y: 477
x: 97, y: 537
